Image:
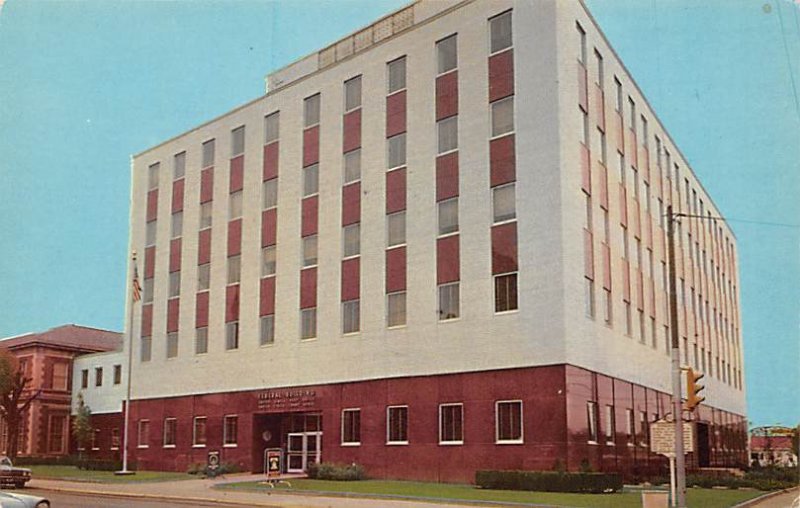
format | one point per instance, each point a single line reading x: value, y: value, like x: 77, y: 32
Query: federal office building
x: 436, y: 245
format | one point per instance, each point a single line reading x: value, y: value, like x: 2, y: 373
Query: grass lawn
x: 705, y: 498
x: 75, y: 474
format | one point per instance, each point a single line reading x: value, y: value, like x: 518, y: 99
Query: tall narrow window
x: 235, y: 205
x: 591, y: 412
x: 451, y: 423
x: 351, y: 244
x: 397, y: 425
x: 172, y: 345
x: 448, y: 216
x: 152, y: 176
x: 271, y: 127
x: 350, y: 316
x: 143, y: 434
x: 629, y: 427
x: 448, y: 301
x: 269, y: 190
x: 267, y: 335
x: 502, y: 116
x: 607, y: 306
x: 508, y: 421
x: 396, y: 148
x: 396, y: 229
x: 237, y: 141
x: 203, y: 276
x: 505, y: 292
x: 582, y: 39
x: 179, y: 165
x: 500, y: 36
x: 610, y: 427
x: 447, y: 54
x: 352, y: 93
x: 234, y: 269
x: 600, y: 68
x: 147, y: 297
x: 232, y: 335
x: 352, y: 166
x: 351, y: 427
x: 311, y: 107
x: 208, y: 153
x: 170, y: 432
x: 448, y: 134
x: 145, y: 353
x: 199, y: 431
x: 310, y: 251
x: 308, y: 323
x: 177, y: 224
x: 396, y: 70
x: 618, y: 95
x: 230, y: 431
x: 396, y: 309
x: 150, y: 233
x: 588, y: 297
x: 504, y: 203
x: 201, y: 341
x: 174, y: 284
x: 205, y: 215
x: 85, y: 378
x: 268, y: 263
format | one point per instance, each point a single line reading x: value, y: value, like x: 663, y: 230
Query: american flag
x: 137, y: 289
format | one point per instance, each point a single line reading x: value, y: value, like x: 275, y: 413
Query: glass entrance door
x: 303, y: 448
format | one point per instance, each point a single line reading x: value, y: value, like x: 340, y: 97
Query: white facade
x: 107, y: 398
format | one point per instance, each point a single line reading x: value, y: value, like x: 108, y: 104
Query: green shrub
x: 732, y: 482
x: 336, y: 472
x: 549, y: 481
x: 102, y: 464
x: 201, y: 468
x: 63, y: 460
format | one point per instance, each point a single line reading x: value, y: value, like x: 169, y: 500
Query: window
x: 230, y: 431
x: 145, y: 353
x: 642, y: 332
x: 632, y: 111
x: 199, y: 431
x: 591, y: 412
x: 396, y: 309
x: 447, y: 54
x: 205, y: 215
x: 269, y: 190
x: 143, y: 434
x: 352, y: 166
x: 628, y: 320
x: 147, y: 295
x: 351, y: 427
x: 610, y: 425
x: 268, y: 263
x: 98, y: 376
x: 308, y: 323
x: 172, y: 345
x: 352, y: 93
x: 351, y: 240
x: 208, y: 153
x: 396, y: 146
x: 117, y: 374
x: 643, y: 427
x: 311, y: 180
x: 115, y: 439
x: 85, y: 378
x: 203, y: 276
x: 502, y: 116
x: 508, y: 421
x: 272, y: 123
x: 96, y: 439
x: 607, y: 306
x: 310, y: 251
x: 448, y: 216
x: 201, y: 341
x: 397, y: 425
x: 170, y: 432
x: 618, y: 95
x: 152, y: 176
x: 500, y: 32
x: 151, y: 229
x: 600, y: 70
x: 234, y: 269
x: 504, y: 203
x: 350, y: 316
x: 311, y: 110
x: 448, y: 134
x: 451, y: 424
x: 505, y: 292
x: 174, y: 284
x: 582, y: 36
x: 267, y: 335
x: 448, y: 301
x: 179, y: 165
x: 396, y: 229
x: 60, y: 376
x: 645, y: 133
x: 237, y: 141
x: 588, y: 297
x: 232, y: 335
x: 177, y: 224
x: 629, y: 428
x: 235, y: 205
x: 397, y: 74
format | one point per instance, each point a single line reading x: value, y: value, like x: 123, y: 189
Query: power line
x: 730, y: 219
x: 788, y: 60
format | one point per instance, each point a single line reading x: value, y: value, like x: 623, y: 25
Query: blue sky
x: 83, y: 85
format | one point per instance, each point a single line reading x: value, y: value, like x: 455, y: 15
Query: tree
x: 82, y: 424
x: 16, y: 396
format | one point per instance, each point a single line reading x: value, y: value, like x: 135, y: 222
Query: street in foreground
x: 74, y: 500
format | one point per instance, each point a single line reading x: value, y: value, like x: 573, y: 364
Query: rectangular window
x: 230, y: 431
x: 308, y: 323
x: 177, y: 224
x: 610, y: 425
x: 96, y: 439
x: 310, y: 251
x: 145, y: 353
x: 396, y: 309
x: 268, y: 263
x: 235, y: 205
x: 174, y: 284
x: 201, y: 341
x: 199, y: 431
x: 179, y: 165
x: 117, y: 374
x: 115, y: 439
x: 237, y: 141
x: 351, y: 240
x: 143, y: 434
x: 582, y: 38
x: 311, y: 106
x: 591, y: 413
x: 234, y: 269
x: 632, y: 111
x: 267, y: 335
x: 629, y: 428
x: 205, y: 215
x: 447, y: 54
x: 152, y: 176
x: 448, y: 216
x: 311, y: 180
x: 448, y: 301
x: 151, y: 229
x: 203, y: 276
x: 172, y: 345
x: 396, y: 148
x: 397, y: 425
x: 500, y: 32
x: 505, y: 292
x: 269, y: 191
x: 397, y: 74
x: 232, y: 335
x: 643, y: 428
x: 60, y: 376
x: 645, y: 132
x: 147, y: 296
x: 502, y: 116
x: 352, y: 166
x: 272, y: 124
x: 351, y: 427
x: 588, y: 297
x: 607, y: 306
x: 642, y: 332
x: 396, y: 229
x: 170, y: 432
x: 350, y: 316
x: 508, y: 421
x: 504, y: 203
x: 98, y: 376
x: 448, y: 134
x: 600, y: 69
x: 618, y: 95
x: 352, y: 93
x: 208, y: 153
x: 85, y: 378
x: 628, y: 320
x: 451, y: 424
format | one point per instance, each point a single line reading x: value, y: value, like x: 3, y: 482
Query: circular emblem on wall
x: 266, y: 436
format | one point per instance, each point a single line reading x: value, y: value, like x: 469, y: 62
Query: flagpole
x: 126, y: 425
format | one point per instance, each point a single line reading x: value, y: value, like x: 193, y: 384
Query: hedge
x: 549, y: 481
x: 336, y: 472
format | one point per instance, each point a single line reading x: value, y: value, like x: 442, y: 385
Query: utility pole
x: 677, y: 409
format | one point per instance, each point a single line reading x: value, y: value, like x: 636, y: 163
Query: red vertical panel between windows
x: 447, y: 176
x: 600, y: 107
x: 620, y: 134
x: 149, y: 262
x: 147, y: 320
x: 267, y: 303
x: 173, y: 309
x: 396, y: 269
x: 204, y: 247
x: 232, y: 303
x: 308, y: 288
x: 634, y: 151
x: 447, y: 95
x: 447, y: 260
x: 311, y: 146
x: 270, y: 164
x: 583, y: 88
x: 234, y: 237
x: 351, y: 279
x: 201, y: 311
x: 351, y: 204
x: 177, y: 195
x: 504, y: 248
x: 502, y: 160
x: 501, y: 75
x: 351, y: 136
x: 396, y: 190
x: 152, y: 205
x: 237, y: 173
x: 207, y: 185
x: 269, y: 227
x: 310, y: 216
x: 174, y: 255
x: 396, y: 114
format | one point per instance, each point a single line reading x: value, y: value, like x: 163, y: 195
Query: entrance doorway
x: 304, y: 449
x: 703, y: 446
x: 298, y: 435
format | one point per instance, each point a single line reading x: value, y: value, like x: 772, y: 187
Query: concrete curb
x: 756, y: 500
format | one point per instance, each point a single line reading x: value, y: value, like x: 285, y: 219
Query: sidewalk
x: 201, y: 491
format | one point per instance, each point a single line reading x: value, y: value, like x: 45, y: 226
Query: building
x: 436, y: 245
x: 772, y: 446
x: 47, y: 358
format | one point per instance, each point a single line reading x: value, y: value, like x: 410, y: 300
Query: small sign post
x: 212, y: 465
x: 662, y: 441
x: 273, y: 467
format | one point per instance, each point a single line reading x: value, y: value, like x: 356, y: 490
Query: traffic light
x: 693, y: 389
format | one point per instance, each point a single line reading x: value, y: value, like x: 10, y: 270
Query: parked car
x: 14, y: 500
x: 10, y: 475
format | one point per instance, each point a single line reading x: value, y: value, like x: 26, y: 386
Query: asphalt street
x: 64, y: 500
